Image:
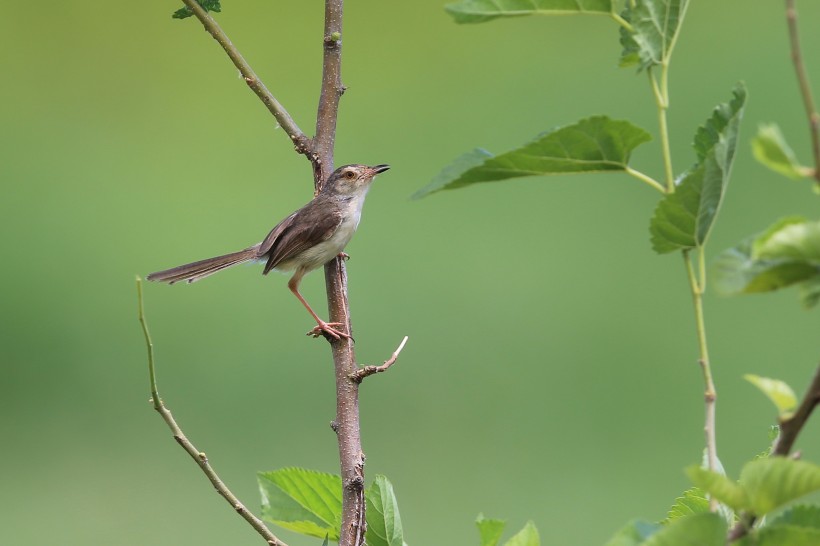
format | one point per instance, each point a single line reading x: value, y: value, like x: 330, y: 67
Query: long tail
x: 204, y: 268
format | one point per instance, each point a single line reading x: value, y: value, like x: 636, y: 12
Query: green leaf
x: 719, y: 486
x: 800, y: 516
x: 771, y: 483
x: 207, y: 5
x: 781, y: 395
x: 489, y: 530
x: 770, y: 148
x: 782, y: 535
x: 683, y: 219
x: 693, y: 501
x: 593, y: 144
x: 528, y: 536
x: 634, y: 533
x: 383, y: 520
x: 698, y: 530
x: 480, y: 11
x: 301, y: 500
x: 786, y: 253
x: 655, y: 25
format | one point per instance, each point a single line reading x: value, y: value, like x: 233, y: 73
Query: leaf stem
x: 300, y: 141
x: 645, y: 178
x: 661, y: 94
x: 805, y: 86
x: 621, y: 21
x: 697, y: 285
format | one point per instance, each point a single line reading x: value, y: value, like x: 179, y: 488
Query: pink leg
x: 326, y: 327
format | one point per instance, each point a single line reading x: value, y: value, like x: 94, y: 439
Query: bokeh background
x: 551, y: 370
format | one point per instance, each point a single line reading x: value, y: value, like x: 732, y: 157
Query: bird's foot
x: 344, y: 255
x: 329, y: 330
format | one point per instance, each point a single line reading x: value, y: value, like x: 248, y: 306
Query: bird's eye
x: 349, y: 174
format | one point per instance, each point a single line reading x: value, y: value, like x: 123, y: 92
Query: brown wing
x: 308, y: 226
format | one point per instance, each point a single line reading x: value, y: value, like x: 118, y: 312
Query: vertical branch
x: 805, y: 87
x: 346, y: 424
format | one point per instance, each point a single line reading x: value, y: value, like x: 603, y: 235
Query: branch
x: 367, y: 371
x: 789, y: 430
x: 300, y: 141
x: 805, y: 87
x: 198, y: 456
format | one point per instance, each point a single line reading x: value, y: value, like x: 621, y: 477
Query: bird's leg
x: 344, y: 255
x: 322, y: 326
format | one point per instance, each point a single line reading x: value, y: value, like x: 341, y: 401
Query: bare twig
x: 789, y: 430
x: 300, y: 141
x: 198, y: 456
x: 805, y: 86
x: 367, y: 371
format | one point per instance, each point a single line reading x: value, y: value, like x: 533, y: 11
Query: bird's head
x: 352, y: 180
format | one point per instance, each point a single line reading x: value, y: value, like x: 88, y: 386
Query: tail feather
x: 204, y: 268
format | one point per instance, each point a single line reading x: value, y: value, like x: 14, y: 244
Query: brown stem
x: 331, y: 92
x: 367, y: 371
x: 805, y: 86
x: 300, y: 141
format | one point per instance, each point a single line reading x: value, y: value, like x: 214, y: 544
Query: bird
x: 307, y: 239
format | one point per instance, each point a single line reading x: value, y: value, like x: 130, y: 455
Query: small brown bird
x: 305, y: 240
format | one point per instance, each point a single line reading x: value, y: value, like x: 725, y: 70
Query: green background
x: 551, y: 369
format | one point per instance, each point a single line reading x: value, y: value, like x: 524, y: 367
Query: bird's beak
x: 379, y: 169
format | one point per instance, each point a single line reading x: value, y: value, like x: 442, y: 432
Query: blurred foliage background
x: 551, y: 366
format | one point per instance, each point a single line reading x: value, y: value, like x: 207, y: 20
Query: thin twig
x: 805, y: 86
x: 789, y: 430
x: 300, y: 141
x: 198, y: 456
x: 367, y: 371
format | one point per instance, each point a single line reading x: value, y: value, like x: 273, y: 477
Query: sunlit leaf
x: 771, y: 149
x: 634, y: 533
x: 719, y: 486
x: 383, y: 520
x: 800, y: 516
x: 697, y: 530
x: 782, y: 535
x: 692, y: 501
x: 683, y: 219
x: 655, y: 24
x: 771, y: 483
x: 781, y: 395
x: 489, y: 530
x: 301, y: 500
x: 480, y: 11
x: 207, y: 5
x: 528, y: 536
x: 787, y: 253
x: 593, y: 144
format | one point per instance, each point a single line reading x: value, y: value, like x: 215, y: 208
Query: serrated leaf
x: 655, y: 24
x: 773, y: 482
x: 301, y: 500
x: 802, y: 515
x: 634, y: 533
x: 528, y: 536
x: 683, y: 219
x: 770, y: 148
x: 719, y: 486
x: 593, y: 144
x: 480, y: 11
x: 207, y: 5
x: 786, y: 253
x: 782, y: 535
x: 383, y: 520
x: 698, y: 530
x: 489, y: 530
x: 692, y: 501
x: 781, y: 395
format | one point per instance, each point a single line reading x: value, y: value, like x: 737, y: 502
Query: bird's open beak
x: 379, y: 168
